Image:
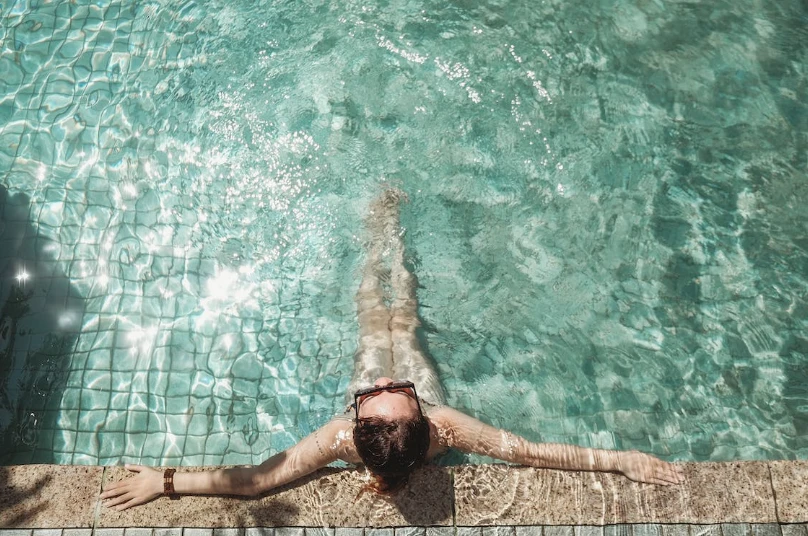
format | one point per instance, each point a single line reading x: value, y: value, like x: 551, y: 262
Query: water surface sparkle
x: 607, y: 220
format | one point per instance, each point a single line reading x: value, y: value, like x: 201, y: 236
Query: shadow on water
x: 40, y: 315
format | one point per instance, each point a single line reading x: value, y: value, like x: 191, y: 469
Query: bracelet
x: 168, y: 482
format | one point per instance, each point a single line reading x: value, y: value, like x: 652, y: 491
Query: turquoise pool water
x: 607, y: 218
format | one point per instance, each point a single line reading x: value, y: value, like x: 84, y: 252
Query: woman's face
x: 389, y: 405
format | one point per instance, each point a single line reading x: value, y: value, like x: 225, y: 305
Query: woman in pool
x: 389, y: 427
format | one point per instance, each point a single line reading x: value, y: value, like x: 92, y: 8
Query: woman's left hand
x: 642, y: 467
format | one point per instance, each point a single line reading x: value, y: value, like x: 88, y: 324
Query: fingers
x: 123, y: 501
x: 650, y: 469
x: 667, y: 474
x: 658, y: 480
x: 134, y: 501
x: 115, y: 489
x: 674, y: 474
x: 669, y: 479
x: 665, y: 479
x: 116, y: 501
x: 117, y: 492
x: 132, y: 491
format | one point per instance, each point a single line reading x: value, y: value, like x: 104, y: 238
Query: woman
x: 389, y: 427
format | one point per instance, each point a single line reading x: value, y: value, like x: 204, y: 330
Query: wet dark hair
x: 391, y: 450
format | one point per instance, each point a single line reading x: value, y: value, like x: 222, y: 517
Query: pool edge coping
x: 66, y: 496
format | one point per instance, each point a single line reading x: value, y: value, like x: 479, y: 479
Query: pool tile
x: 259, y: 531
x: 47, y: 532
x: 794, y: 530
x: 705, y: 530
x: 168, y: 532
x: 137, y: 531
x: 503, y: 531
x: 33, y: 492
x: 646, y: 529
x: 559, y: 531
x: 712, y: 493
x: 736, y: 529
x: 349, y: 531
x: 410, y: 531
x: 675, y: 530
x: 617, y: 530
x: 587, y: 530
x: 197, y: 532
x: 108, y: 532
x: 538, y: 531
x: 440, y: 531
x: 77, y: 532
x: 766, y: 529
x: 290, y: 531
x: 319, y: 531
x: 229, y: 532
x: 790, y: 482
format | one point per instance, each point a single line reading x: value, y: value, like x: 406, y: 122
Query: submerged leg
x: 374, y: 357
x: 409, y: 361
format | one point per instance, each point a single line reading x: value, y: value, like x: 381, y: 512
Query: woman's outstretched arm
x: 458, y: 430
x: 313, y: 452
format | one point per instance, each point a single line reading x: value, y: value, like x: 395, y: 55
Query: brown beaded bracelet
x: 168, y: 482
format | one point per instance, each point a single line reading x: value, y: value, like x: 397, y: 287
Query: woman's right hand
x: 145, y: 486
x: 642, y: 467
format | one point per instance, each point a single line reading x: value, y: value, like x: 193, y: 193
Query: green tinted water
x: 607, y: 218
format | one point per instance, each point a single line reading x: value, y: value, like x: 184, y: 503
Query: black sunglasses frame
x: 382, y: 388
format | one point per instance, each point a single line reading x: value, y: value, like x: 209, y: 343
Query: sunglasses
x: 405, y: 387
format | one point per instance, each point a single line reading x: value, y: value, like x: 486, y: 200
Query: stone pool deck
x: 718, y: 499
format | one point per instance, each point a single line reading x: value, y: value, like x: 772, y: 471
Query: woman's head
x: 391, y: 434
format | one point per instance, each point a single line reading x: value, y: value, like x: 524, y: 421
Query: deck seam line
x: 774, y: 494
x: 454, y: 499
x: 97, y: 511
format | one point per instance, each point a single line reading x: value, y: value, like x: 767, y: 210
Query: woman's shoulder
x: 453, y: 428
x: 438, y: 414
x: 340, y: 438
x: 346, y: 416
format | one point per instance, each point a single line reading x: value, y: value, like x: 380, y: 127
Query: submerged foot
x: 385, y: 207
x: 383, y: 220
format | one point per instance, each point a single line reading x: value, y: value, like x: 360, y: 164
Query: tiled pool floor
x: 717, y: 499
